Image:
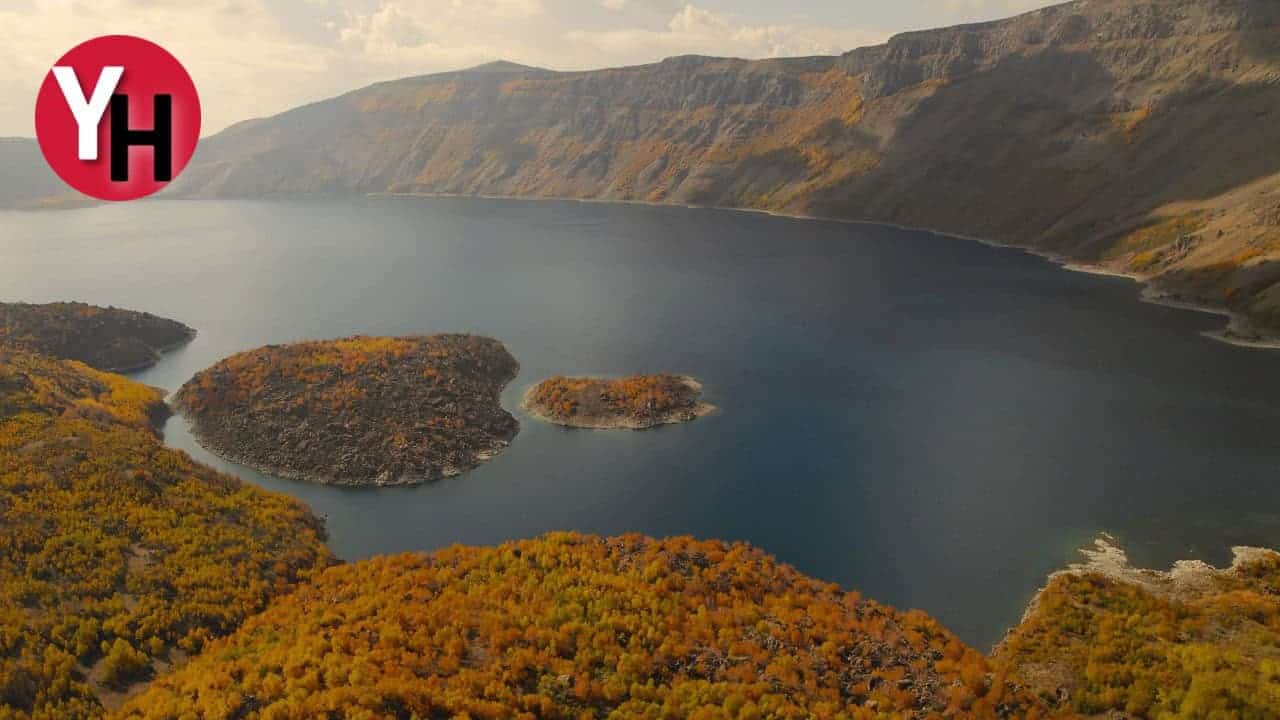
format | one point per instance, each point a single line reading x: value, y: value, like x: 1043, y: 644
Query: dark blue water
x: 931, y: 421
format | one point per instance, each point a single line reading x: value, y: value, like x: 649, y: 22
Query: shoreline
x: 1106, y: 557
x: 701, y: 410
x: 1250, y: 337
x: 160, y: 352
x: 214, y: 448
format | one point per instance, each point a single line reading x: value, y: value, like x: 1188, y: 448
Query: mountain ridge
x: 1117, y: 133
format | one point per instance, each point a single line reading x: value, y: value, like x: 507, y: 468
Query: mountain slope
x: 119, y: 556
x: 26, y: 180
x: 1067, y: 129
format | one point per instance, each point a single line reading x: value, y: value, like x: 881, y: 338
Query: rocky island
x: 107, y: 338
x: 637, y: 402
x: 356, y: 411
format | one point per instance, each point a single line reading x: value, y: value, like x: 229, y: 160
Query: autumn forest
x: 138, y: 583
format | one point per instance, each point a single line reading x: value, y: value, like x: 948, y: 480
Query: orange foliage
x: 1116, y: 647
x: 118, y: 553
x: 570, y: 626
x: 640, y: 396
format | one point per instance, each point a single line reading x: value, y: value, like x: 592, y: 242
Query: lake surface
x: 931, y: 421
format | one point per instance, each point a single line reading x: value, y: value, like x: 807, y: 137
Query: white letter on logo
x: 88, y: 113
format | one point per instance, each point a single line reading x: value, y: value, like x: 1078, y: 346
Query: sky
x: 252, y: 58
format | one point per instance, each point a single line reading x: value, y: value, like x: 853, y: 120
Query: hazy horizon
x: 255, y: 58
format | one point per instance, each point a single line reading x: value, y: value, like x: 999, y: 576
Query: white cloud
x: 387, y: 27
x: 988, y: 8
x: 696, y: 30
x: 437, y: 35
x: 240, y: 59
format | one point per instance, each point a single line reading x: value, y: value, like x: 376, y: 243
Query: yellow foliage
x: 70, y: 389
x: 117, y: 550
x: 1120, y: 648
x: 571, y: 626
x: 1147, y: 245
x: 561, y: 397
x: 1129, y: 124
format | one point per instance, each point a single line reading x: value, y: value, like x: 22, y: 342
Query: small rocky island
x: 109, y: 338
x: 637, y: 402
x: 357, y: 411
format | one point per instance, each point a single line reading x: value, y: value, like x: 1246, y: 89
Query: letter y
x: 88, y: 113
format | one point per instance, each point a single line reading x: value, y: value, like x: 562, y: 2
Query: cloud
x: 396, y: 37
x: 388, y: 27
x: 242, y: 61
x: 696, y: 30
x: 437, y: 35
x: 988, y: 8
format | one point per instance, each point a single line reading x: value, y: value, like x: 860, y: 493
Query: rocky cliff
x: 1137, y: 135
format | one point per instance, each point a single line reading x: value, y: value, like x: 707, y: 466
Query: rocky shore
x: 1106, y: 639
x: 362, y: 411
x: 1186, y: 580
x: 638, y: 402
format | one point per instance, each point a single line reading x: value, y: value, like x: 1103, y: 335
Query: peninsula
x: 1106, y: 639
x: 107, y: 338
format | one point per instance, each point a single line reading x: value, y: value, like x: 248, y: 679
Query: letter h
x: 160, y: 137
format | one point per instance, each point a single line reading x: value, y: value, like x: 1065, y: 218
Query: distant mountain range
x: 1141, y: 136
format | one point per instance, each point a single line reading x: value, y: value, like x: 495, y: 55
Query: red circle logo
x: 118, y: 117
